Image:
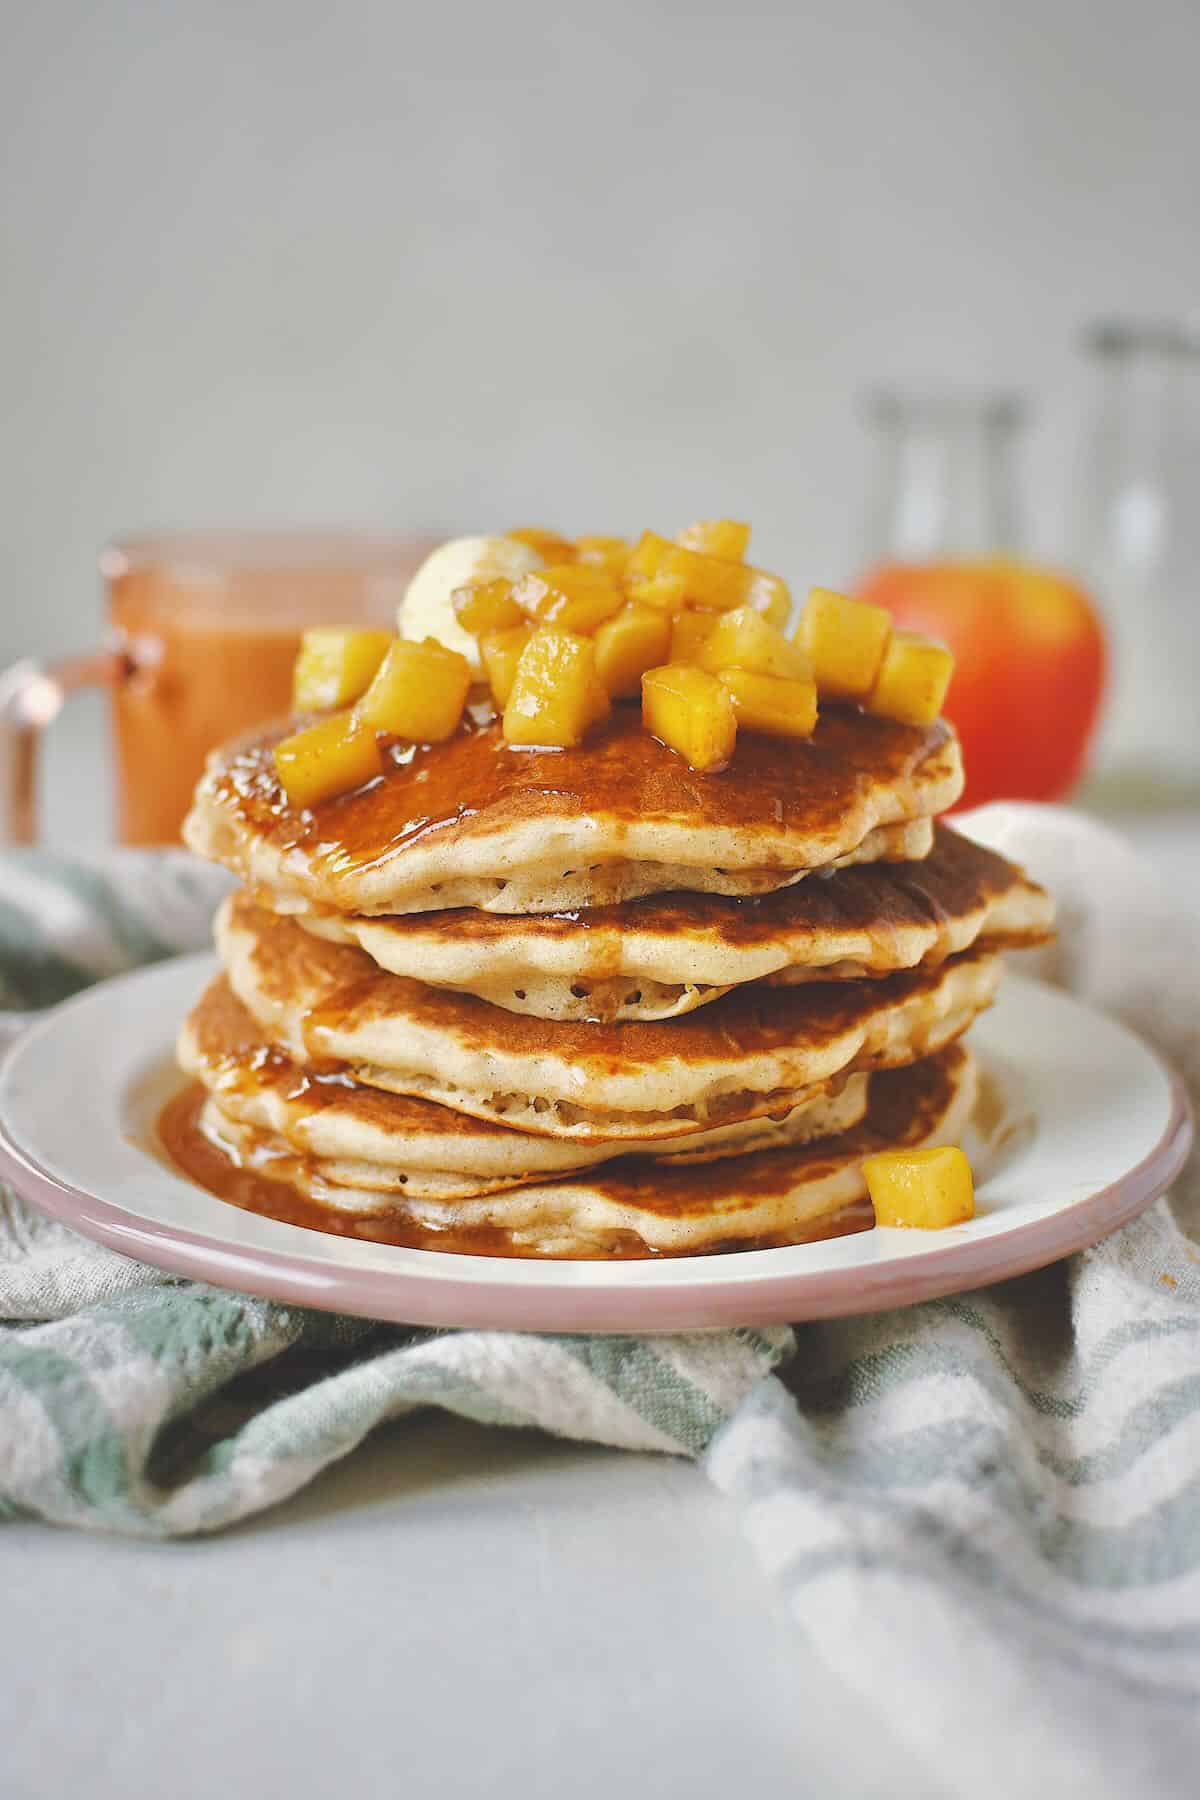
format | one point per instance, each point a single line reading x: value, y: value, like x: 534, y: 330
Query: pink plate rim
x: 400, y: 1298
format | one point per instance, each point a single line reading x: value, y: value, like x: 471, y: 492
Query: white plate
x: 1090, y: 1127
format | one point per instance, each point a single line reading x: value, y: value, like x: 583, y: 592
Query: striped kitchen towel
x: 983, y: 1512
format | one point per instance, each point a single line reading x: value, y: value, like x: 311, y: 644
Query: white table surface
x: 455, y: 1610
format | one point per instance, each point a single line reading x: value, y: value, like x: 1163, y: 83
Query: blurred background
x: 459, y: 267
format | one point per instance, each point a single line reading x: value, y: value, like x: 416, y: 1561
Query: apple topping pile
x: 557, y: 629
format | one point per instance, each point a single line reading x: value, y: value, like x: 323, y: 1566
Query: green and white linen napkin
x: 984, y: 1512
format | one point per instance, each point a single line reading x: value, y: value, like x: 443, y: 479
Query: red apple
x: 1029, y: 667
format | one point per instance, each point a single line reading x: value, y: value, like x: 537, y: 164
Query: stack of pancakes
x: 589, y: 1003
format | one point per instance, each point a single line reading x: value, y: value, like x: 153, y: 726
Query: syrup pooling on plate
x: 253, y: 1190
x: 901, y: 1103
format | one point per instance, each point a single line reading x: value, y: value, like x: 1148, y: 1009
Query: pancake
x: 367, y: 1187
x: 342, y: 1183
x: 477, y: 822
x: 638, y: 1208
x: 755, y: 1051
x: 363, y: 1138
x: 660, y: 957
x: 337, y: 1182
x: 776, y: 1197
x: 541, y: 894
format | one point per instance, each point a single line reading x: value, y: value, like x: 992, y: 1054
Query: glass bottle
x: 1139, y: 542
x: 944, y: 480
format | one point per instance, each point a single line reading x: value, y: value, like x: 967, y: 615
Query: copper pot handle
x: 32, y: 694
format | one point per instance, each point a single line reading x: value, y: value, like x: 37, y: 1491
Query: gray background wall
x: 458, y: 264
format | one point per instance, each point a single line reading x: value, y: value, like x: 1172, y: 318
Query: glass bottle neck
x: 944, y: 482
x: 1144, y: 409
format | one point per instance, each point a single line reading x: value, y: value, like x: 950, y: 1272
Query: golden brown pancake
x: 632, y: 1207
x: 749, y: 1202
x: 757, y: 1050
x: 665, y: 955
x: 479, y: 822
x: 342, y: 1183
x: 364, y: 1138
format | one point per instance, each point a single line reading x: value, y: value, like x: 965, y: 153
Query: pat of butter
x: 427, y: 610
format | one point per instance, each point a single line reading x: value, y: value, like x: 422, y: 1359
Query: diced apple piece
x: 777, y: 705
x: 335, y: 665
x: 599, y: 706
x: 582, y: 613
x: 558, y: 581
x: 775, y: 605
x: 913, y: 679
x: 692, y: 712
x: 634, y: 640
x: 573, y: 597
x: 717, y: 537
x: 742, y: 639
x: 486, y: 606
x: 648, y: 557
x: 419, y: 692
x: 555, y: 693
x: 331, y: 757
x: 928, y: 1189
x: 844, y: 640
x: 500, y: 652
x: 607, y: 553
x: 711, y: 581
x: 551, y: 546
x: 663, y: 592
x: 689, y: 633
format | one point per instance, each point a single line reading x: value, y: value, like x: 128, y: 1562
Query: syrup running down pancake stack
x: 584, y: 999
